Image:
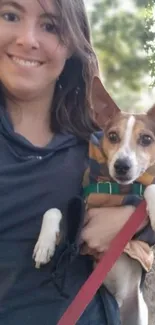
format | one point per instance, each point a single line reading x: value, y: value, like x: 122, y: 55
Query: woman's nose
x: 27, y: 38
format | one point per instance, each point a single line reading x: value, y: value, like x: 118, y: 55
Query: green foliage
x: 150, y: 38
x: 119, y: 38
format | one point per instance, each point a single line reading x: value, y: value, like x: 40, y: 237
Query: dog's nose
x: 122, y: 166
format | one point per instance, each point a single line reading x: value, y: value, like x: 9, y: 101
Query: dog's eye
x: 145, y: 140
x: 113, y: 137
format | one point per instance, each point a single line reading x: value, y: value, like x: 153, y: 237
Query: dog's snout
x: 122, y: 166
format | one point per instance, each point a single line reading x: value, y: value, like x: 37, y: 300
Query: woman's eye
x: 50, y: 28
x: 10, y: 16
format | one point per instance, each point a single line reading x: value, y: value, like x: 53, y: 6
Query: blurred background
x: 123, y: 35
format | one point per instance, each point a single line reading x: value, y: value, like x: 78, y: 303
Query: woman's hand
x: 101, y: 226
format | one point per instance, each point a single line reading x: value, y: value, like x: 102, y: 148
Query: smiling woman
x: 46, y: 67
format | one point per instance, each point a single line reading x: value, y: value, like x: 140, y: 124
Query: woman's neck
x: 32, y: 119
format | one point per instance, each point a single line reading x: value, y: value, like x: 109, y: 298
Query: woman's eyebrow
x: 13, y: 4
x: 17, y: 6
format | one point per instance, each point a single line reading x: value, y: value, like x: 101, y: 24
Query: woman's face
x: 31, y: 54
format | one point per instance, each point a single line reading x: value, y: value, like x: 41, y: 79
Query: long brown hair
x: 71, y: 109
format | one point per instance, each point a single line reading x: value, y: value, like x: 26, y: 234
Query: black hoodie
x: 33, y: 180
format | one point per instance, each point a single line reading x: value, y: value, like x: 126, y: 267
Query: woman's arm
x: 102, y: 225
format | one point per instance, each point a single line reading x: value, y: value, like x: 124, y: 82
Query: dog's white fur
x: 46, y: 244
x: 123, y: 281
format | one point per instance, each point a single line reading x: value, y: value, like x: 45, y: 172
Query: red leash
x: 95, y: 280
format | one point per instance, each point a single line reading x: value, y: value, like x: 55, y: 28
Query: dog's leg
x: 134, y: 309
x: 123, y: 281
x: 149, y: 195
x: 116, y: 280
x: 45, y: 246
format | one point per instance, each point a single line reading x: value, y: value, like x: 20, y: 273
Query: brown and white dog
x: 129, y: 145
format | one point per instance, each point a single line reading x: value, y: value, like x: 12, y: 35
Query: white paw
x: 149, y: 195
x: 44, y: 250
x: 45, y: 246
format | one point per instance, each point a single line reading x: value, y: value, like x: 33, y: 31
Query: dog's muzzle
x: 122, y: 168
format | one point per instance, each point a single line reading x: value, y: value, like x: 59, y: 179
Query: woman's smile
x: 25, y: 62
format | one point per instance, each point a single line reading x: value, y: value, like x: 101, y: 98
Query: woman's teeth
x: 26, y: 63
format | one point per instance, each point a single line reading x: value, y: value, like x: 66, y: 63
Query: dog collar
x: 112, y: 188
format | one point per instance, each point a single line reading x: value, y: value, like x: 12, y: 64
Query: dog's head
x: 129, y: 139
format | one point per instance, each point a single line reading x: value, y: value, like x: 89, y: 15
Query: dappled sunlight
x: 119, y: 36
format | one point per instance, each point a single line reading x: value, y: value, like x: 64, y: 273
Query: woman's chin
x: 23, y: 92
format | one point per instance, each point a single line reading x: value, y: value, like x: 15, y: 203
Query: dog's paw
x: 149, y: 195
x: 44, y: 250
x: 45, y: 246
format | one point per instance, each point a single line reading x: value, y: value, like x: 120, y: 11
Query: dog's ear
x: 151, y: 112
x: 103, y: 105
